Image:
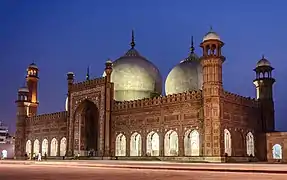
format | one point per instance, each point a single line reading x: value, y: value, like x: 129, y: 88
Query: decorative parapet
x: 78, y: 86
x: 160, y: 100
x: 52, y: 116
x: 235, y: 98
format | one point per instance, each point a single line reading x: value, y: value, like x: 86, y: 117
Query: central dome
x: 186, y: 76
x: 135, y: 77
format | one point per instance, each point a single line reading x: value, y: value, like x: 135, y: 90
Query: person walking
x: 39, y: 157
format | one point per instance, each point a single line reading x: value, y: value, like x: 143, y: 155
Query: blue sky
x: 68, y: 35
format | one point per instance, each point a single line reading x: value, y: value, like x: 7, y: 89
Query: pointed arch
x: 54, y: 147
x: 227, y: 143
x: 136, y: 144
x: 191, y: 143
x: 152, y: 142
x: 63, y: 146
x: 44, y: 147
x: 277, y: 151
x: 121, y: 144
x: 86, y: 126
x: 36, y: 147
x: 28, y: 147
x: 250, y: 144
x: 171, y: 143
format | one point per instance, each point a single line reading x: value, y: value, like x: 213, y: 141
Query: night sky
x: 69, y: 35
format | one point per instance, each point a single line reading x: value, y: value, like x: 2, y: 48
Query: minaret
x: 264, y: 93
x: 108, y: 107
x: 70, y: 81
x: 32, y: 84
x: 211, y: 62
x: 23, y: 105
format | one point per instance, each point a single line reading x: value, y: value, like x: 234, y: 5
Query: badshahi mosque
x: 125, y: 115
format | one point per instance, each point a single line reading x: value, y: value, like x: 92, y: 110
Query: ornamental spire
x: 133, y: 40
x: 88, y: 73
x: 192, y: 46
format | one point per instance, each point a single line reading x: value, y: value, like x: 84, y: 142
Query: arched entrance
x: 121, y: 145
x: 63, y: 146
x: 28, y: 148
x: 135, y: 144
x: 277, y: 151
x: 250, y: 144
x: 45, y: 147
x: 36, y: 146
x: 191, y: 143
x: 171, y: 143
x: 227, y: 142
x: 86, y: 128
x: 54, y: 147
x: 152, y: 142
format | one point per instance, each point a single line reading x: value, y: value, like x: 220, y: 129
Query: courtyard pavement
x: 51, y: 172
x: 159, y: 165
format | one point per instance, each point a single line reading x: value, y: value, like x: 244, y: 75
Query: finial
x: 263, y: 57
x: 24, y: 84
x: 211, y: 29
x: 133, y: 40
x: 88, y: 73
x: 192, y: 46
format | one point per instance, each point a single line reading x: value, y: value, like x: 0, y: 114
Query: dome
x: 185, y: 76
x: 23, y: 89
x: 211, y: 35
x: 33, y: 65
x: 135, y: 77
x: 263, y: 62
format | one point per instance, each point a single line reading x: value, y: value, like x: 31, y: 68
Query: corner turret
x: 32, y: 79
x: 264, y: 93
x: 212, y: 91
x: 23, y: 105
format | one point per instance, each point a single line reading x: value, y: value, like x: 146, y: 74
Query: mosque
x: 125, y: 115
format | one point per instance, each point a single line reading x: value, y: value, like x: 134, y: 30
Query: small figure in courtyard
x: 78, y: 157
x: 39, y: 157
x: 45, y: 156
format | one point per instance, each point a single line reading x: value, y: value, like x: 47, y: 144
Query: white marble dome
x: 211, y: 35
x: 135, y: 77
x: 186, y: 76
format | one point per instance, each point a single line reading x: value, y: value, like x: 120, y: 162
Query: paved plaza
x: 139, y: 170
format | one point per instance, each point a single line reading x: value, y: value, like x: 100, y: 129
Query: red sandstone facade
x: 94, y: 120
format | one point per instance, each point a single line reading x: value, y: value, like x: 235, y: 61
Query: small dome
x: 109, y: 61
x: 211, y: 35
x: 23, y: 89
x: 263, y: 62
x: 33, y: 65
x: 186, y: 76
